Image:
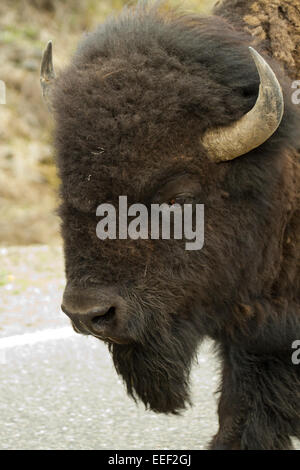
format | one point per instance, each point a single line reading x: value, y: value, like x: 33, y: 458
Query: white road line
x: 40, y: 336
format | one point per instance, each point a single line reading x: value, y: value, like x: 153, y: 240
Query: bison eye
x: 181, y: 199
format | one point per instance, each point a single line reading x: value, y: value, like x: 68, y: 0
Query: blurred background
x: 28, y: 180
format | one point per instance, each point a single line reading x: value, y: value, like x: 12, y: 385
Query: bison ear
x: 255, y: 127
x: 47, y: 76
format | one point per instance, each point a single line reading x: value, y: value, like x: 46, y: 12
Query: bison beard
x: 157, y: 370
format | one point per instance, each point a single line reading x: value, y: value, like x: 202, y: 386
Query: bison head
x: 157, y: 106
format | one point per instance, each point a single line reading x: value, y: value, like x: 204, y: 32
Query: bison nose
x: 96, y: 312
x: 94, y: 322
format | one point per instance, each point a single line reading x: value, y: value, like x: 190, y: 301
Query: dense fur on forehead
x: 135, y: 81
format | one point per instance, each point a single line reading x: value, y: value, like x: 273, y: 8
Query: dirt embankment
x: 276, y: 23
x: 28, y: 180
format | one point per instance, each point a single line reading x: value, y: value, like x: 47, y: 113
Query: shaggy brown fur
x: 130, y: 112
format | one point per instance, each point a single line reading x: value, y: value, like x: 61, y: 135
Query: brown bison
x: 170, y: 108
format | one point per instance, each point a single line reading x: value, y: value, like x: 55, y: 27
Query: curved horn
x: 255, y: 127
x: 47, y: 76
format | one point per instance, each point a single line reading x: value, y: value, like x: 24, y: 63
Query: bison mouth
x: 157, y: 369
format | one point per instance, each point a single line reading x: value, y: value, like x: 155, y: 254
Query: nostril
x: 106, y: 317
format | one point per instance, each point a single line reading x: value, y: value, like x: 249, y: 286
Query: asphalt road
x: 64, y: 394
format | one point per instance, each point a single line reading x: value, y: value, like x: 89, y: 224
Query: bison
x: 176, y: 108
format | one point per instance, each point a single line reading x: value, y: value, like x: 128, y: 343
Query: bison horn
x: 255, y: 127
x: 47, y: 76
